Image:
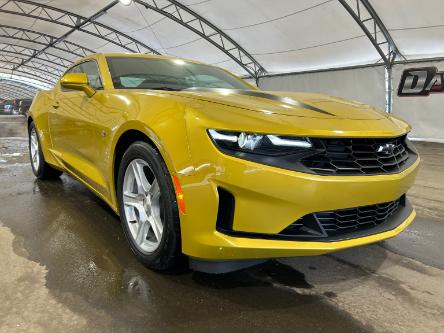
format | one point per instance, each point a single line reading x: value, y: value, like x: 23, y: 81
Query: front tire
x: 148, y: 207
x: 40, y: 168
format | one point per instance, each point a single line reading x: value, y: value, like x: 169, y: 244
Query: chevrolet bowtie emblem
x: 386, y: 149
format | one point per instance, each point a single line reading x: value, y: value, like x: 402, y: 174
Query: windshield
x: 168, y: 74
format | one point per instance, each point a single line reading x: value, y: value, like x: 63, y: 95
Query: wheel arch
x: 167, y: 135
x: 29, y: 121
x: 127, y: 137
x: 125, y: 140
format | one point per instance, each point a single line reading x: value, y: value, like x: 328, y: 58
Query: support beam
x: 38, y: 38
x: 6, y: 68
x: 55, y: 64
x: 75, y: 22
x: 24, y: 78
x: 14, y: 92
x: 368, y: 20
x: 388, y: 89
x: 11, y: 90
x: 189, y: 19
x: 33, y: 67
x: 80, y: 24
x: 18, y: 84
x: 173, y: 10
x: 6, y: 96
x: 24, y: 52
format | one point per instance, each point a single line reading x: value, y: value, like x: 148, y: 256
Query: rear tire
x: 41, y: 169
x: 148, y: 208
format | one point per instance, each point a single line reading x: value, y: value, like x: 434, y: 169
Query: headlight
x: 276, y: 150
x: 253, y: 143
x: 267, y: 144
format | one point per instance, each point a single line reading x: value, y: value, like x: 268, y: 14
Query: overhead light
x: 126, y: 2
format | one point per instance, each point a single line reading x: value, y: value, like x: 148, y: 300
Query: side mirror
x: 77, y: 81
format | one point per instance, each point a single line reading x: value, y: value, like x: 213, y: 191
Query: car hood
x: 288, y: 103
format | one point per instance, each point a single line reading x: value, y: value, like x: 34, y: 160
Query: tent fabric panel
x: 366, y: 85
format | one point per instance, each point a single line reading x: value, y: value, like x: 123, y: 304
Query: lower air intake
x: 344, y: 221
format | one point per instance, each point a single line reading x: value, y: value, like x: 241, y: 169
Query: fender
x: 163, y: 141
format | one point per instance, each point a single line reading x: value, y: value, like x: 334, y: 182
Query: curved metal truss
x: 47, y: 58
x: 11, y: 93
x: 29, y: 73
x: 38, y: 38
x: 186, y: 17
x: 36, y: 57
x: 11, y: 89
x: 35, y: 64
x: 75, y: 22
x: 368, y: 20
x: 42, y: 60
x: 42, y: 71
x: 366, y: 17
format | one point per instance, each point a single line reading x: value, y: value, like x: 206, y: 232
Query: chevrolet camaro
x: 200, y: 164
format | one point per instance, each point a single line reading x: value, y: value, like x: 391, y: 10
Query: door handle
x: 55, y: 105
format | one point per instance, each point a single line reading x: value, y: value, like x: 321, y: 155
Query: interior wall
x: 424, y: 113
x: 365, y: 85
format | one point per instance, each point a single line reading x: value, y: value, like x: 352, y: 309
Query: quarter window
x: 75, y: 69
x: 91, y: 69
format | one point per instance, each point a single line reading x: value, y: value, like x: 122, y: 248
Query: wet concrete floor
x: 65, y: 266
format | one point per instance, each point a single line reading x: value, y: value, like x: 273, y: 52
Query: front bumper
x: 269, y: 199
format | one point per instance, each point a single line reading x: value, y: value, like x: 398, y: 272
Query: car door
x: 74, y: 128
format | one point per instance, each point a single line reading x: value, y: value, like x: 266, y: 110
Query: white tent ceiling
x: 281, y: 36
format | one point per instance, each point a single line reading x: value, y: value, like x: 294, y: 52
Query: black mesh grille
x: 358, y: 156
x: 344, y: 221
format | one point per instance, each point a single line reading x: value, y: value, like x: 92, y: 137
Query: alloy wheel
x: 34, y: 146
x: 142, y: 206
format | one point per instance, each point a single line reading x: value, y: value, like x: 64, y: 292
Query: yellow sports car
x: 198, y: 162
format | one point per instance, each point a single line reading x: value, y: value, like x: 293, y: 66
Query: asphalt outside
x: 66, y: 267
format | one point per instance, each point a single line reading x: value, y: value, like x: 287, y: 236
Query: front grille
x: 358, y: 156
x: 344, y: 221
x: 349, y: 220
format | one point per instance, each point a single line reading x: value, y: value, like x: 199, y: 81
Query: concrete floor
x: 66, y: 266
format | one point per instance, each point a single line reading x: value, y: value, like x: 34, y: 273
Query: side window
x: 92, y: 71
